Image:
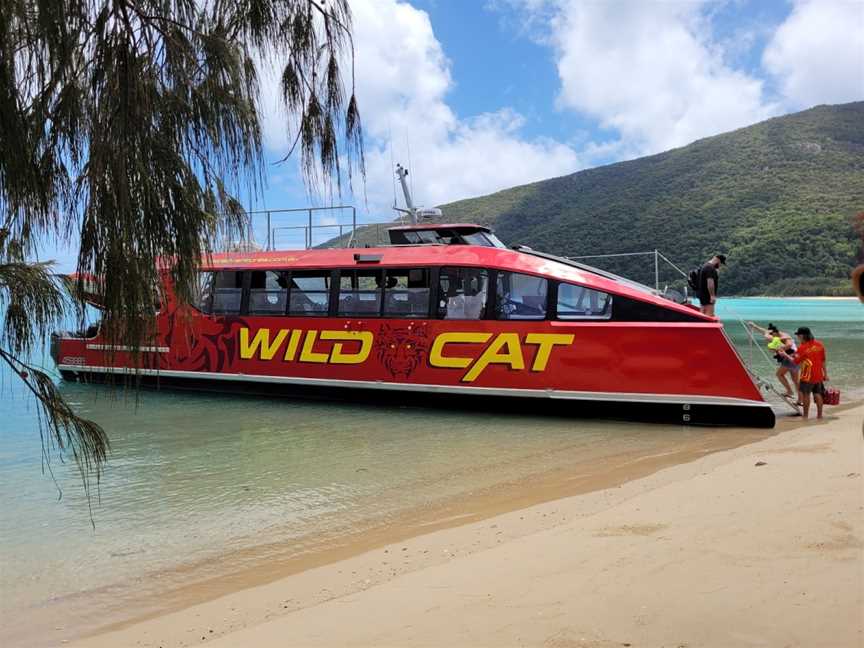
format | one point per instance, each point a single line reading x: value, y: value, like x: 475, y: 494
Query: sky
x: 475, y: 96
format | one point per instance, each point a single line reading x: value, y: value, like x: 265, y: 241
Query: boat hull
x: 679, y: 372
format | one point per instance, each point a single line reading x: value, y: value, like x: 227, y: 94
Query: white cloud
x: 402, y: 79
x: 817, y: 54
x: 655, y: 76
x: 651, y: 74
x: 650, y: 71
x: 475, y: 157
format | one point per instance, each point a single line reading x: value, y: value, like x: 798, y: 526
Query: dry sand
x: 716, y: 552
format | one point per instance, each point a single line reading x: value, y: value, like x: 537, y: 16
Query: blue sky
x: 481, y: 95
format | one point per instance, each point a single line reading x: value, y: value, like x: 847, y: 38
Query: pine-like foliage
x: 126, y: 127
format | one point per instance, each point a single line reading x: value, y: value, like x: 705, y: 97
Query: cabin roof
x: 435, y: 255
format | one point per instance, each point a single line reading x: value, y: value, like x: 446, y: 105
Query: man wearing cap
x: 810, y: 357
x: 709, y: 283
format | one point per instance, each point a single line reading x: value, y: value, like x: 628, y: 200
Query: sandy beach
x: 760, y: 545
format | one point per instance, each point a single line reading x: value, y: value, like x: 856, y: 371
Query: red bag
x: 832, y: 396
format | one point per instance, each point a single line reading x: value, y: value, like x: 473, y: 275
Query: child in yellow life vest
x: 779, y: 341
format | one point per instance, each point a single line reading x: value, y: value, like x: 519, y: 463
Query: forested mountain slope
x: 777, y: 197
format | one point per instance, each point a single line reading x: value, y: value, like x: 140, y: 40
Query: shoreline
x: 264, y: 563
x: 819, y: 297
x: 260, y: 607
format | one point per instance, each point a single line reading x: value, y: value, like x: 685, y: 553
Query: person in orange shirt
x: 810, y: 358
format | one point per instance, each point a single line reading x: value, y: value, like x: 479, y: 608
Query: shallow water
x: 838, y: 323
x: 195, y: 477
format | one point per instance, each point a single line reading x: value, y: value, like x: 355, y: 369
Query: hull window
x: 462, y: 293
x: 520, y: 297
x: 578, y: 302
x: 360, y: 293
x: 309, y: 293
x: 406, y: 293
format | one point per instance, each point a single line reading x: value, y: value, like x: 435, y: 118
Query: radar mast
x: 414, y: 213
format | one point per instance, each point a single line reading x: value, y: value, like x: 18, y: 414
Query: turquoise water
x: 195, y: 478
x: 801, y: 310
x: 838, y: 323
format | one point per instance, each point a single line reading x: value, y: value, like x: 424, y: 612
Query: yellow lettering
x: 293, y: 341
x: 260, y: 343
x: 437, y: 357
x: 546, y: 341
x: 493, y: 355
x: 338, y: 356
x: 307, y: 354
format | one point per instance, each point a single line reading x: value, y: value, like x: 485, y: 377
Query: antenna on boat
x: 402, y: 173
x: 393, y: 177
x: 414, y: 213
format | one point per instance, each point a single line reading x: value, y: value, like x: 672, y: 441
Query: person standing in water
x: 709, y: 283
x: 781, y: 341
x: 810, y: 358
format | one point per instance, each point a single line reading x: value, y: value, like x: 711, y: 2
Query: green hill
x: 777, y: 197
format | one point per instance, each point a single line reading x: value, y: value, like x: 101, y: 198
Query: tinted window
x: 309, y: 293
x: 360, y: 293
x: 421, y: 236
x: 486, y: 239
x: 520, y: 297
x: 578, y: 302
x: 406, y: 293
x: 227, y: 292
x: 268, y: 293
x: 462, y: 293
x: 202, y: 300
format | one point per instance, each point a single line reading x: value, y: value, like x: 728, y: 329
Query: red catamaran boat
x: 445, y: 312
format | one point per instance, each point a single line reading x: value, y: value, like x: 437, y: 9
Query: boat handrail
x: 272, y: 225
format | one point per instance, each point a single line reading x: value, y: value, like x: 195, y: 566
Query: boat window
x: 309, y: 293
x: 268, y: 292
x: 520, y: 297
x: 462, y: 293
x: 417, y: 237
x: 158, y: 298
x: 227, y: 292
x: 202, y: 299
x: 486, y: 239
x: 360, y: 293
x: 406, y: 293
x: 203, y: 292
x: 578, y: 302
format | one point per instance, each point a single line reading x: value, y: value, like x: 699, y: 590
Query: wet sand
x: 717, y: 551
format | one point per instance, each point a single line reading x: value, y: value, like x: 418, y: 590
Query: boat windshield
x: 445, y: 235
x: 486, y: 239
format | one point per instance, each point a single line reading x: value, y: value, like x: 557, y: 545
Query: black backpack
x: 693, y: 279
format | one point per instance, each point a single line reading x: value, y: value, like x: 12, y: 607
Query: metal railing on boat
x: 273, y: 224
x: 658, y: 256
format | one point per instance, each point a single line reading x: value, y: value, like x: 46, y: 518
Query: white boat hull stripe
x: 689, y: 399
x: 120, y: 347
